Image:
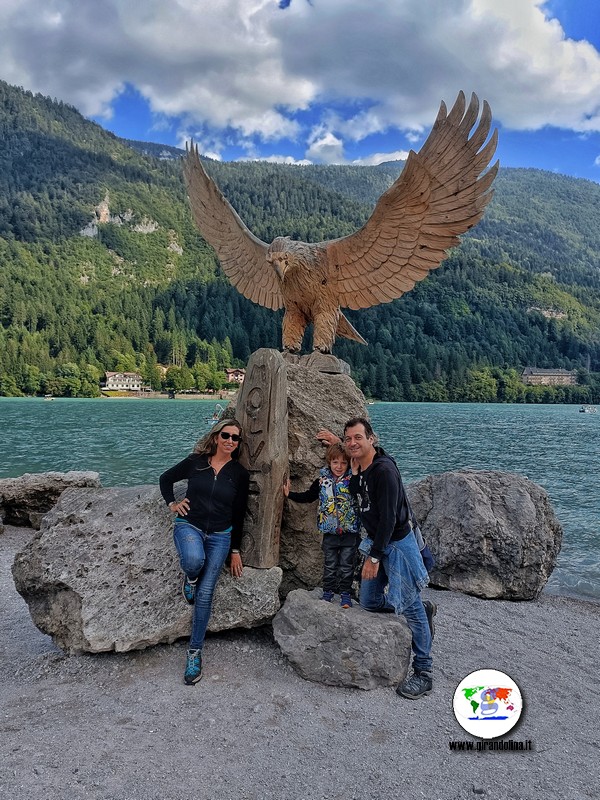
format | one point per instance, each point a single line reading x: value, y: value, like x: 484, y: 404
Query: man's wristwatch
x: 374, y: 560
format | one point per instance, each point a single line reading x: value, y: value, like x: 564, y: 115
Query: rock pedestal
x: 342, y: 647
x: 319, y: 393
x: 315, y: 400
x: 103, y: 574
x: 493, y: 534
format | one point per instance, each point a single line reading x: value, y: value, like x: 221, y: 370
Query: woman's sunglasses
x: 235, y: 437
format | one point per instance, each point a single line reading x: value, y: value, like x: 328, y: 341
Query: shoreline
x: 232, y: 393
x: 569, y: 595
x: 122, y: 726
x: 161, y: 396
x: 157, y: 396
x: 134, y: 396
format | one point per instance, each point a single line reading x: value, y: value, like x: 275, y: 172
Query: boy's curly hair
x: 336, y: 450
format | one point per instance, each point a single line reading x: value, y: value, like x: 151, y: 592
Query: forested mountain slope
x: 102, y: 268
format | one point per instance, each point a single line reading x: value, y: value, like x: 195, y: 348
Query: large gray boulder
x: 493, y: 534
x: 342, y: 647
x: 103, y: 574
x: 25, y: 500
x: 245, y: 602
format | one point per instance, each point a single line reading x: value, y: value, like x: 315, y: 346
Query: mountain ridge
x: 145, y: 289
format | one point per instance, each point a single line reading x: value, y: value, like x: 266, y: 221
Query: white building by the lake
x: 123, y: 381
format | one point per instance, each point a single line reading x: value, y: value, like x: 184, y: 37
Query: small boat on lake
x: 48, y: 397
x: 585, y: 409
x: 216, y: 415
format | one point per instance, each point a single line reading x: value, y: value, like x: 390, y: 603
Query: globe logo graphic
x: 487, y: 703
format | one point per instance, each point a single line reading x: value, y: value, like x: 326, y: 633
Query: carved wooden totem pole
x: 261, y: 409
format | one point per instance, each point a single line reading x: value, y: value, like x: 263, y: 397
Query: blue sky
x: 326, y: 81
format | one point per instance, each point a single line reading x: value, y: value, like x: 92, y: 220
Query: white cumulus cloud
x: 380, y: 158
x: 240, y: 71
x: 274, y: 159
x: 326, y: 148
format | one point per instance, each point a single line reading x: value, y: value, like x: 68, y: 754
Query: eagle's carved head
x: 285, y: 254
x: 278, y: 255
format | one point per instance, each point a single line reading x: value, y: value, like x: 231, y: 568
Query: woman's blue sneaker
x: 327, y: 596
x: 188, y: 590
x: 193, y: 667
x: 345, y: 600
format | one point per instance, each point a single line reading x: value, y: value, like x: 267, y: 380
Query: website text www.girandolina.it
x: 490, y: 745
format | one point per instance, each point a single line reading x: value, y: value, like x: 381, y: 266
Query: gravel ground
x: 125, y: 727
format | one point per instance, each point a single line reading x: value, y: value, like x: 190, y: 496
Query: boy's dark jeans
x: 340, y: 560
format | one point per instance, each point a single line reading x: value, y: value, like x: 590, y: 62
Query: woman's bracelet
x: 237, y: 552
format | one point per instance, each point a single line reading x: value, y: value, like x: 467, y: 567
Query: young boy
x: 337, y: 520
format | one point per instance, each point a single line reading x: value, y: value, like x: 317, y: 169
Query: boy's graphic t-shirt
x: 337, y: 507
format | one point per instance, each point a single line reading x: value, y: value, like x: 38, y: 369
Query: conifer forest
x: 102, y: 268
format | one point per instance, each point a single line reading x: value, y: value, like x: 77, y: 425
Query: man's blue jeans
x: 201, y: 556
x: 373, y: 598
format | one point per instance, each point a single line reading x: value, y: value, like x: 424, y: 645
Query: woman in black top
x: 208, y: 524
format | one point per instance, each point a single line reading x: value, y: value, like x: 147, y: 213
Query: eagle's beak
x: 277, y: 266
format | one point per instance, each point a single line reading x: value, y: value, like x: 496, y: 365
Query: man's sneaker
x: 327, y: 596
x: 193, y: 667
x: 345, y: 600
x: 418, y: 685
x: 188, y: 590
x: 431, y: 610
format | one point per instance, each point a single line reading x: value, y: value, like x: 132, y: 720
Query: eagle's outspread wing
x: 241, y: 254
x: 440, y: 194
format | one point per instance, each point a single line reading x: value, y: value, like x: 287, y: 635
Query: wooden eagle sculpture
x: 441, y: 193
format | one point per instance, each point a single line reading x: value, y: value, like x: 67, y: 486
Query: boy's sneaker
x: 193, y: 667
x: 345, y: 600
x: 327, y: 596
x: 188, y: 590
x: 431, y: 610
x: 418, y: 685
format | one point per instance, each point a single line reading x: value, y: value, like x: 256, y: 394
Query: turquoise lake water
x: 131, y: 442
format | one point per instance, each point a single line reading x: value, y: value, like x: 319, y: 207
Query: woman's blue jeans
x: 201, y: 556
x: 373, y: 598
